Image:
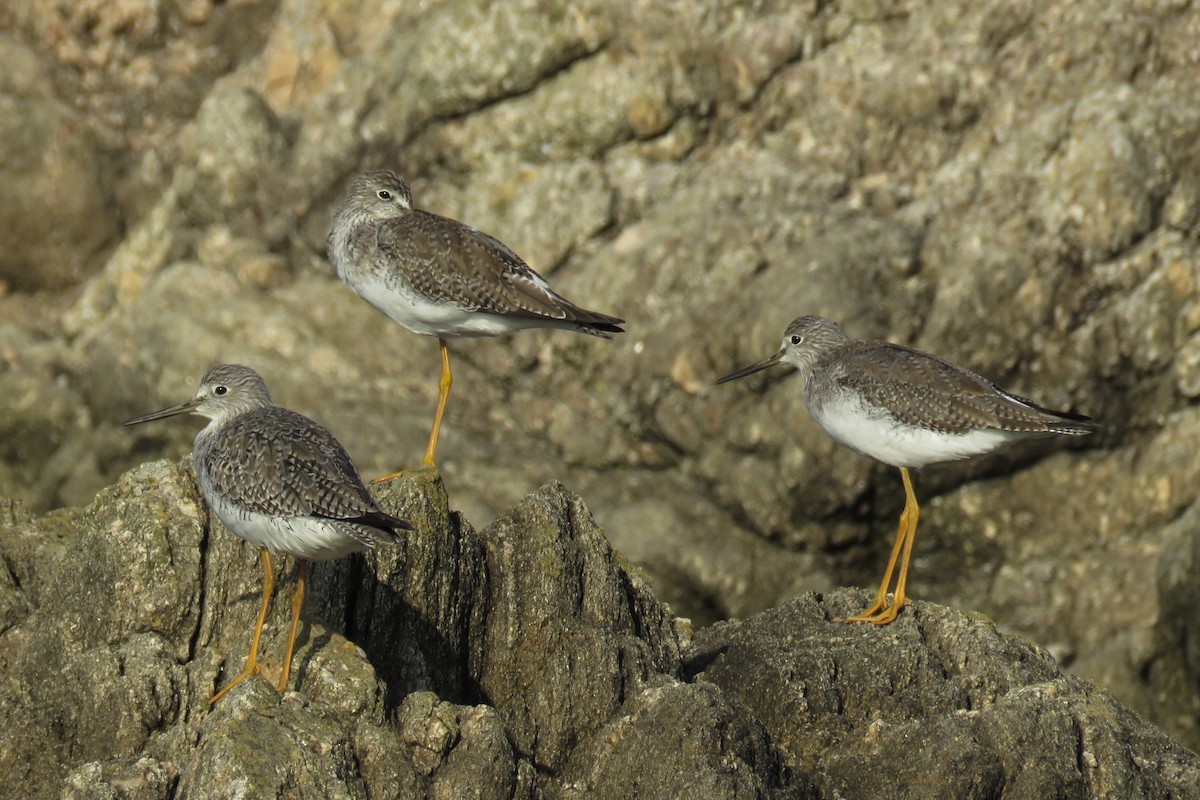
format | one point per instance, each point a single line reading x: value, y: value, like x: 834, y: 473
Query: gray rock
x: 462, y: 751
x: 269, y: 746
x: 50, y: 162
x: 658, y: 532
x: 236, y: 151
x: 411, y: 606
x: 1174, y: 660
x: 697, y: 745
x: 561, y: 604
x: 938, y: 704
x: 145, y: 779
x: 39, y: 416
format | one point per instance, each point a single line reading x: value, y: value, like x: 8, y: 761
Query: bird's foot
x: 392, y: 476
x: 878, y: 614
x: 250, y: 671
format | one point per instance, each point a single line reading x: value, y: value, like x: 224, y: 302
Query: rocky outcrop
x: 1011, y: 185
x: 525, y: 660
x: 938, y: 705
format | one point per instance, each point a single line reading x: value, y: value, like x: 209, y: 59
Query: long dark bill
x: 170, y: 411
x: 758, y: 366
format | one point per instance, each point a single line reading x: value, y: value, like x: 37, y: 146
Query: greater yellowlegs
x: 439, y: 277
x: 281, y: 482
x: 906, y: 408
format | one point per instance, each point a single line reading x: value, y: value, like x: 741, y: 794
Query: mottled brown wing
x: 449, y: 262
x: 920, y: 388
x: 277, y: 462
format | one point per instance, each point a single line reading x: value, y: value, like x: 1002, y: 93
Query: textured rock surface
x: 938, y: 704
x: 1011, y: 184
x: 526, y: 660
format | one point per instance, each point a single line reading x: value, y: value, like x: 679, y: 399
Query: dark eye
x: 384, y: 194
x: 220, y: 390
x: 796, y: 339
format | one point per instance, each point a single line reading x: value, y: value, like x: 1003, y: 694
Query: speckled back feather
x: 449, y: 262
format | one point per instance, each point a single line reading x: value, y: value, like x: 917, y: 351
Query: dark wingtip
x: 386, y: 522
x: 1074, y: 424
x: 402, y: 525
x: 1065, y: 422
x: 602, y: 329
x: 1069, y: 422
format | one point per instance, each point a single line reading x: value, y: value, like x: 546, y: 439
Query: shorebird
x: 438, y: 277
x: 279, y: 481
x: 906, y: 408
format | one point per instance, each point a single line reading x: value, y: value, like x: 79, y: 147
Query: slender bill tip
x: 170, y: 411
x: 758, y: 366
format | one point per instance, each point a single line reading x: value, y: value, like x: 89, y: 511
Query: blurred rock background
x: 1014, y: 185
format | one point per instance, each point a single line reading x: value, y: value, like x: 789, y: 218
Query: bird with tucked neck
x: 439, y: 277
x: 906, y: 408
x: 280, y: 481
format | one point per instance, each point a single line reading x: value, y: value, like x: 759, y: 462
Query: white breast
x: 302, y: 537
x: 436, y: 319
x: 871, y: 431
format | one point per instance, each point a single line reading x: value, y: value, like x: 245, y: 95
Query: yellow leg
x: 443, y: 395
x: 881, y: 596
x: 880, y: 612
x: 901, y: 597
x: 297, y: 604
x: 252, y: 667
x: 444, y: 384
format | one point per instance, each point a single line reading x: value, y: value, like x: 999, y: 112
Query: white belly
x: 870, y: 431
x: 436, y: 319
x: 302, y: 537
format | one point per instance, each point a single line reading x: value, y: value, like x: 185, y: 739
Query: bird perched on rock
x: 439, y: 277
x: 906, y: 408
x: 280, y: 481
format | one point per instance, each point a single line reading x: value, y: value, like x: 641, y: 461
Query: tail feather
x: 378, y: 527
x: 384, y: 521
x: 1064, y: 422
x: 593, y: 323
x: 1072, y: 424
x: 602, y: 329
